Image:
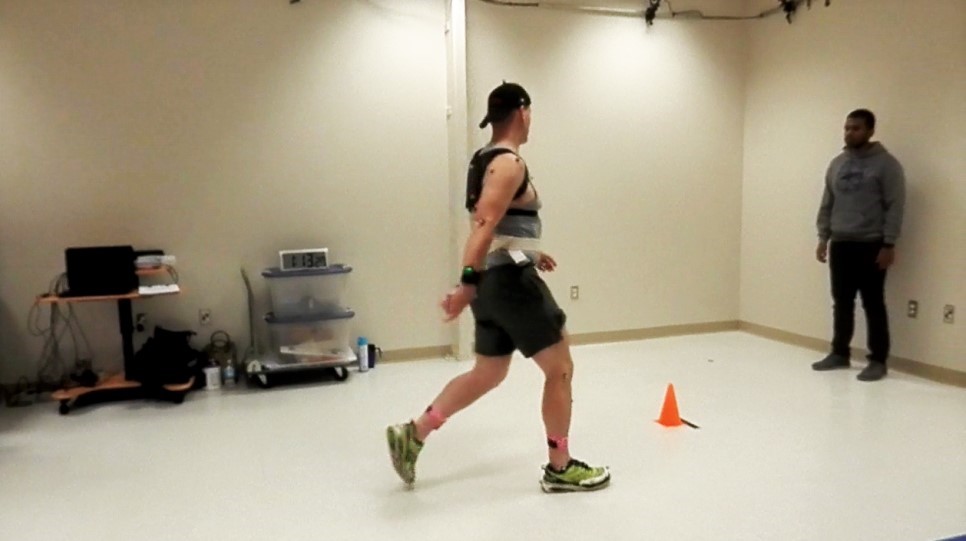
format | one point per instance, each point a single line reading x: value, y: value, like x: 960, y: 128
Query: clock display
x: 304, y: 259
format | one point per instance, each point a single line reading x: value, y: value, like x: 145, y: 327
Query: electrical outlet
x: 204, y: 316
x: 949, y: 314
x: 913, y: 310
x: 140, y: 322
x: 574, y: 292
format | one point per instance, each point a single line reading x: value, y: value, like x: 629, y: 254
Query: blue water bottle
x: 363, y: 348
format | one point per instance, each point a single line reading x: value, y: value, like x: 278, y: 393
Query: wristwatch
x: 470, y: 276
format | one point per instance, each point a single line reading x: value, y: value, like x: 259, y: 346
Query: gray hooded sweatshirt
x: 864, y: 197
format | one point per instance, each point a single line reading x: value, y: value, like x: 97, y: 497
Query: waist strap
x: 522, y: 212
x: 508, y: 243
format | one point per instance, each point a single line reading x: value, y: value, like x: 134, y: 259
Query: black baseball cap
x: 503, y: 100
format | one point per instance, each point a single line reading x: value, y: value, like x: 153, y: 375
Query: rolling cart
x: 272, y: 372
x: 309, y: 328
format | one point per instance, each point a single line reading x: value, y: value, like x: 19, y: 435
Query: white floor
x: 781, y: 453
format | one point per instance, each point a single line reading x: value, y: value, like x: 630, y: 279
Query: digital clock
x: 294, y: 260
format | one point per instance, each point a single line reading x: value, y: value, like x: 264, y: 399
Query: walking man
x: 512, y: 306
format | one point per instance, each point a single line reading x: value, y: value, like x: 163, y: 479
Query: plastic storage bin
x: 307, y: 292
x: 317, y: 338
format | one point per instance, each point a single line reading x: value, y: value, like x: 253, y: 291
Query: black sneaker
x: 873, y: 372
x: 832, y: 362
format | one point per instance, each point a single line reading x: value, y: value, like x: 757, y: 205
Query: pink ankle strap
x: 558, y: 442
x: 435, y: 417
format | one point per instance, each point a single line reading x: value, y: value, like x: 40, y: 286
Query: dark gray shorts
x: 514, y: 309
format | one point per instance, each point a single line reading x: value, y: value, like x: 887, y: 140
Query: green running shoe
x: 576, y: 477
x: 403, y: 450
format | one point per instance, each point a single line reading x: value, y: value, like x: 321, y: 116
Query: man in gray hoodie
x: 859, y: 222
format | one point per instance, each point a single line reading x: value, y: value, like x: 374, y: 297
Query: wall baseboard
x: 785, y: 337
x: 667, y: 331
x: 416, y: 354
x: 935, y: 373
x: 438, y: 352
x: 920, y: 369
x: 931, y: 372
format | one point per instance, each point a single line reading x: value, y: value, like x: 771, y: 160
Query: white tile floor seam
x: 781, y: 453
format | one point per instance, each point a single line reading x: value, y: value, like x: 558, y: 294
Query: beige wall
x: 223, y: 131
x: 907, y: 62
x: 636, y: 150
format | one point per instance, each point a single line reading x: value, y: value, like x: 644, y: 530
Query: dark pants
x: 854, y: 270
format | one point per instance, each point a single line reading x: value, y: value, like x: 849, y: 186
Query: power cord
x: 788, y: 7
x: 172, y: 273
x: 52, y: 371
x: 652, y: 11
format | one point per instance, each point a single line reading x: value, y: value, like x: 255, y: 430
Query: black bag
x: 168, y: 358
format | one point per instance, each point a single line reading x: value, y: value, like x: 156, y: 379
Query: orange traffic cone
x: 669, y: 413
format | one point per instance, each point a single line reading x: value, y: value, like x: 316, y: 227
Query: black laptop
x: 100, y: 270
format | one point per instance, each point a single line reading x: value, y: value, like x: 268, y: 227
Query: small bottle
x: 363, y: 347
x: 230, y: 372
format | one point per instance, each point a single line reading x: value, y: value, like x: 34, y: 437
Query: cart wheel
x: 178, y: 398
x: 64, y: 408
x: 341, y: 373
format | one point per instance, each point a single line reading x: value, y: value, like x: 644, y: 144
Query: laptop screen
x: 100, y: 270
